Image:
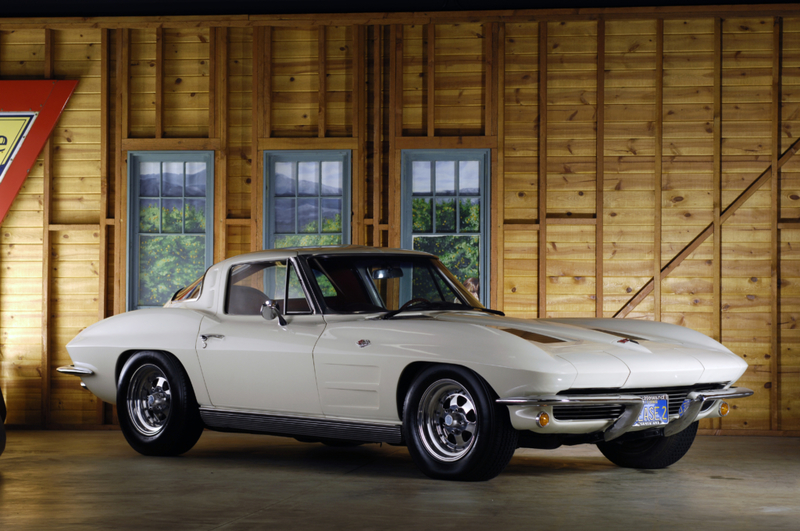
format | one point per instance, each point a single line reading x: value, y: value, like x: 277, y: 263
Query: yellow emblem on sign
x: 13, y: 128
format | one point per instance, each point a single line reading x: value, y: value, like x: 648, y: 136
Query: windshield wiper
x: 438, y: 305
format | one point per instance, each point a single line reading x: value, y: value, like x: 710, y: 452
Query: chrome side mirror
x: 270, y: 310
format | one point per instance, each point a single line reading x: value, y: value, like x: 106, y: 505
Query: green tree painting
x: 168, y: 263
x: 332, y: 235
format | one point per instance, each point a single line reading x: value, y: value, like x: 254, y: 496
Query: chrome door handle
x: 205, y: 337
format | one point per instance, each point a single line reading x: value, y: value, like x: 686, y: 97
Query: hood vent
x: 530, y: 336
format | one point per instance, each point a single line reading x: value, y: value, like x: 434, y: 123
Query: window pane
x: 148, y: 215
x: 284, y: 214
x: 422, y: 214
x: 172, y: 215
x: 166, y: 264
x: 296, y: 301
x: 445, y: 214
x: 332, y: 178
x: 308, y: 178
x: 468, y: 177
x: 445, y: 177
x: 331, y: 215
x: 460, y: 254
x: 470, y: 214
x: 149, y: 177
x: 308, y: 215
x: 172, y: 183
x: 195, y: 215
x: 420, y: 177
x: 196, y: 179
x: 284, y: 179
x: 306, y: 240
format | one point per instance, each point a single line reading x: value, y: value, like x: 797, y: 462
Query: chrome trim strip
x: 633, y: 407
x: 697, y: 398
x: 74, y: 371
x: 234, y: 420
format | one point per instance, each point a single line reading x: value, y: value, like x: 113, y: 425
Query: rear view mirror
x: 389, y: 272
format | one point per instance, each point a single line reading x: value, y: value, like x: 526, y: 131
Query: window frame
x: 408, y: 157
x: 133, y: 234
x: 297, y: 156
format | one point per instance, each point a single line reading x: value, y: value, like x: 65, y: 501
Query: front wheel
x: 158, y: 413
x: 650, y: 453
x: 453, y: 428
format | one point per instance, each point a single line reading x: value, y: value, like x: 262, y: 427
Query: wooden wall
x: 642, y: 165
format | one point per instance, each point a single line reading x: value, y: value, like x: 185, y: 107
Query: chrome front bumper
x: 75, y: 371
x: 633, y: 407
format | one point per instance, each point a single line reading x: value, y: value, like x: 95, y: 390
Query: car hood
x: 619, y: 353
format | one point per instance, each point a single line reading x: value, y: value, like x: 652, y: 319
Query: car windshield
x: 354, y: 284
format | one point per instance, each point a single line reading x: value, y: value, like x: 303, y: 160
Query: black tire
x: 650, y: 453
x: 453, y: 427
x: 157, y: 409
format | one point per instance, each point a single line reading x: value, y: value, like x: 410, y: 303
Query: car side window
x: 249, y: 286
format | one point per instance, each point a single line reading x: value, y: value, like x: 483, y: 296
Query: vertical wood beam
x: 221, y: 173
x: 395, y: 131
x: 359, y: 119
x: 775, y: 279
x: 542, y: 272
x: 266, y: 95
x: 498, y: 175
x: 600, y: 164
x: 489, y: 124
x: 102, y: 306
x: 256, y: 131
x: 431, y: 75
x: 323, y: 75
x: 47, y: 155
x: 716, y: 320
x: 377, y: 134
x: 120, y: 133
x: 159, y: 82
x: 658, y: 177
x: 212, y: 83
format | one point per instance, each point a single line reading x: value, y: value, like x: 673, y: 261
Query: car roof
x: 332, y: 250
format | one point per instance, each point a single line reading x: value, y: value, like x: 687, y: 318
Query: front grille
x: 606, y: 412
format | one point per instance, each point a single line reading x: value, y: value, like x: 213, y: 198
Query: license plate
x: 655, y: 411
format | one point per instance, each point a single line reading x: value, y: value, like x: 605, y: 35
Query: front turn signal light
x: 724, y: 409
x: 543, y: 420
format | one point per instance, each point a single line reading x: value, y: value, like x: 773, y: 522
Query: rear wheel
x: 650, y: 453
x: 453, y: 428
x: 157, y: 409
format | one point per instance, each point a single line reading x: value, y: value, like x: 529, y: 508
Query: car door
x: 251, y: 363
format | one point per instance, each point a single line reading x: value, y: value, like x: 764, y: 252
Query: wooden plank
x: 212, y: 83
x: 542, y: 188
x: 159, y: 82
x: 489, y: 127
x: 47, y: 155
x: 600, y: 154
x: 170, y: 144
x: 359, y: 121
x: 395, y: 132
x: 323, y: 91
x: 221, y: 155
x: 377, y: 138
x: 431, y: 74
x: 658, y: 178
x: 277, y: 143
x: 498, y: 173
x: 700, y: 239
x: 775, y: 257
x: 716, y: 320
x: 262, y: 62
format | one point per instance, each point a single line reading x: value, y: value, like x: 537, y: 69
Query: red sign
x: 28, y: 112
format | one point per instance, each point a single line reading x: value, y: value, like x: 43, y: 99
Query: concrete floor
x: 94, y: 480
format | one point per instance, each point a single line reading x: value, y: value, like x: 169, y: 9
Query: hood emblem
x: 627, y: 340
x: 363, y: 343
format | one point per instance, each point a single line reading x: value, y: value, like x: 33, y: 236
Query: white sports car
x: 352, y: 345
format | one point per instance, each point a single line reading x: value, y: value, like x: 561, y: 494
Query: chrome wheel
x: 149, y: 400
x: 447, y: 420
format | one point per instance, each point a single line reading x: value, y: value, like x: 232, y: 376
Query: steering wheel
x: 412, y: 302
